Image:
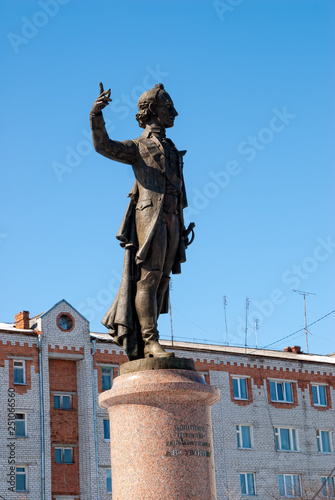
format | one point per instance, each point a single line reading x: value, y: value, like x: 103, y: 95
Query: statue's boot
x: 146, y: 309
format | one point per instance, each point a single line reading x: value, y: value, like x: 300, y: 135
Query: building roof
x: 238, y: 351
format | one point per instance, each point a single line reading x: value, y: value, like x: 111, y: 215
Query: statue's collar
x: 154, y: 130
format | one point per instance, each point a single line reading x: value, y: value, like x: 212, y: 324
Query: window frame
x: 104, y: 429
x: 25, y: 424
x: 109, y: 473
x: 238, y: 380
x: 292, y: 485
x: 25, y: 474
x: 320, y: 443
x: 317, y: 386
x: 239, y: 436
x: 246, y: 483
x: 61, y: 395
x: 328, y: 491
x: 283, y: 383
x: 292, y: 439
x: 63, y: 448
x: 23, y: 365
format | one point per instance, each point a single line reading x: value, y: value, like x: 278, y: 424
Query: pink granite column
x: 161, y: 435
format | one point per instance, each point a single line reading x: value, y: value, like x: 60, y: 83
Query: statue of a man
x: 152, y: 230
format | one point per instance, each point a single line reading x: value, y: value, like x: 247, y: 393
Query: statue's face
x: 165, y: 110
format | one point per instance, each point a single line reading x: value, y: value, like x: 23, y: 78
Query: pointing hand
x: 102, y: 101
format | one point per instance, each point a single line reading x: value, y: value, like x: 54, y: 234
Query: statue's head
x: 155, y: 106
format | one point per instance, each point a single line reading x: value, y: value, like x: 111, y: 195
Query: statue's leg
x: 172, y: 244
x: 147, y: 289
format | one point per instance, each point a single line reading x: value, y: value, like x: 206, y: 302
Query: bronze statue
x: 152, y: 231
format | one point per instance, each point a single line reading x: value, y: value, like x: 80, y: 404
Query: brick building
x: 273, y: 428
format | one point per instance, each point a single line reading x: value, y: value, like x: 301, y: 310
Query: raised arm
x: 126, y: 151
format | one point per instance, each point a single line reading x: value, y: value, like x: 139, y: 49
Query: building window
x: 281, y: 392
x: 106, y: 429
x: 19, y: 372
x: 62, y: 402
x: 247, y: 480
x: 20, y: 425
x: 328, y: 486
x: 324, y: 441
x: 21, y: 479
x: 64, y: 455
x: 240, y: 388
x: 319, y: 395
x: 286, y: 439
x: 289, y: 485
x: 107, y: 378
x: 109, y: 480
x: 244, y: 436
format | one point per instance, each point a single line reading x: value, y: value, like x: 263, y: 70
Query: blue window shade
x: 107, y: 377
x: 281, y: 485
x: 20, y: 479
x: 235, y: 388
x: 66, y: 402
x: 67, y: 456
x: 106, y: 429
x: 243, y: 387
x: 57, y: 402
x: 273, y: 393
x: 243, y: 484
x: 246, y: 440
x: 285, y: 439
x: 328, y: 486
x: 289, y: 485
x: 319, y: 395
x: 108, y: 480
x: 288, y: 392
x: 322, y: 394
x: 20, y: 425
x: 325, y: 442
x: 281, y: 392
x: 58, y: 455
x: 18, y: 374
x: 247, y: 483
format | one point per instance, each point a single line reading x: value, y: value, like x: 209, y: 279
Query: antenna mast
x: 301, y: 292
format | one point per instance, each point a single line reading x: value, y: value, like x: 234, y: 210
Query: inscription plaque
x: 184, y: 437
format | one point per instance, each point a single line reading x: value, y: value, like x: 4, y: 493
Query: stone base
x: 140, y: 365
x: 161, y: 435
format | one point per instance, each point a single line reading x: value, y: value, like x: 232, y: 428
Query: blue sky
x: 252, y: 83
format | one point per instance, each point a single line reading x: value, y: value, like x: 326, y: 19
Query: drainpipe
x: 94, y: 342
x: 42, y: 414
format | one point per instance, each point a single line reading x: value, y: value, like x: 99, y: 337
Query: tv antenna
x: 225, y: 317
x: 247, y: 303
x: 301, y: 292
x: 256, y: 330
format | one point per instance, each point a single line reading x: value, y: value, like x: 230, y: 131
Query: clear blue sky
x: 252, y: 83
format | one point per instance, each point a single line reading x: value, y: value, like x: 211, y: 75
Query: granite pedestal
x: 161, y: 433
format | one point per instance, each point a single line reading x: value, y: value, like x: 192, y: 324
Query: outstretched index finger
x: 101, y: 88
